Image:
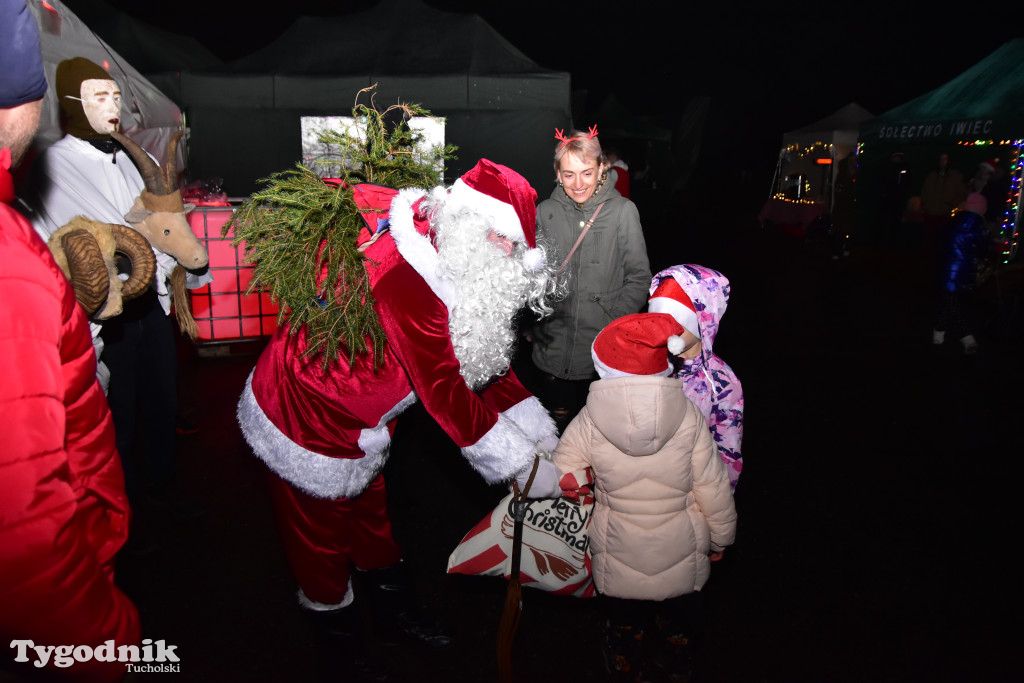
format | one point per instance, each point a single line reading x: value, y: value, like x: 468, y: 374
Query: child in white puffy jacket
x: 664, y: 508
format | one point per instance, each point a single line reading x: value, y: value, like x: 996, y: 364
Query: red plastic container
x: 222, y: 309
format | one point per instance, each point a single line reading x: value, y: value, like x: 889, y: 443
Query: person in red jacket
x: 63, y: 509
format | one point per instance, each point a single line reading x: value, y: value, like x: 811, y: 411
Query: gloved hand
x: 548, y: 443
x: 545, y: 484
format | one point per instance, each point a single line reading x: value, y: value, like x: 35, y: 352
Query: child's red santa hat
x: 670, y: 298
x: 637, y: 345
x: 500, y: 192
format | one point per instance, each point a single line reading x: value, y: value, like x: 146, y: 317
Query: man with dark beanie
x: 89, y: 173
x: 63, y: 510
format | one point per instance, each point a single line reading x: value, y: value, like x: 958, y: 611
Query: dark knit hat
x: 21, y: 78
x: 70, y: 74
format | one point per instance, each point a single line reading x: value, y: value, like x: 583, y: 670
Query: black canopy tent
x: 976, y: 116
x: 244, y: 118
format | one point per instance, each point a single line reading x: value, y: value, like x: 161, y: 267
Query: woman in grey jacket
x: 608, y: 271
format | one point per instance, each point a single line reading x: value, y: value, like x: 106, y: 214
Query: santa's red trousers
x: 323, y: 538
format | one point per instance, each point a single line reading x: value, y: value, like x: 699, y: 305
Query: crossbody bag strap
x: 580, y: 238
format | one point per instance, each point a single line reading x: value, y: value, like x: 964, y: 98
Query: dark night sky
x: 769, y: 66
x: 807, y: 57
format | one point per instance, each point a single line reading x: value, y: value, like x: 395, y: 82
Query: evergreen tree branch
x: 302, y: 235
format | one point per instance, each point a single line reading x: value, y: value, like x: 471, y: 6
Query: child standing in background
x: 663, y: 506
x: 697, y: 297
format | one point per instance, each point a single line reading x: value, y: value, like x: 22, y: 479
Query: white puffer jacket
x: 663, y: 496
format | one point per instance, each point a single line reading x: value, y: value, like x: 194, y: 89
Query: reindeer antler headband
x: 560, y: 135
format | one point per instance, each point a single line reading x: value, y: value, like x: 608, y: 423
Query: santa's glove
x: 545, y: 483
x: 548, y: 443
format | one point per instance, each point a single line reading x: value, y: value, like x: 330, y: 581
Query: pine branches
x: 394, y: 158
x: 301, y: 234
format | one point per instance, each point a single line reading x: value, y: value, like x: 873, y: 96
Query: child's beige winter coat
x: 663, y: 496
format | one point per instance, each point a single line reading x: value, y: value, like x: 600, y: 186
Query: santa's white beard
x: 490, y: 289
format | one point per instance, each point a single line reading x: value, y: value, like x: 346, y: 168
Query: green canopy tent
x: 976, y: 116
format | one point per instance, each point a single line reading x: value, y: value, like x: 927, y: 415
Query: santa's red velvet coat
x: 327, y: 432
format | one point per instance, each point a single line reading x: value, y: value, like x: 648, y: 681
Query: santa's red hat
x: 989, y: 165
x: 500, y: 192
x: 670, y: 298
x: 637, y: 345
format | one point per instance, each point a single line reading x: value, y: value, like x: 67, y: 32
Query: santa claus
x: 448, y: 270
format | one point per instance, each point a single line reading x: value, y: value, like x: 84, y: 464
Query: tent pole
x: 778, y: 169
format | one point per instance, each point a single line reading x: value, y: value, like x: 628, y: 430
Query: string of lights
x: 1009, y: 232
x: 816, y: 148
x: 783, y: 197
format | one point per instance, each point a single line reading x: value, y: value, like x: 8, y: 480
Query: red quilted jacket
x: 63, y: 510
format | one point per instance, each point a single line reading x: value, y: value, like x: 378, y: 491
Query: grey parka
x: 609, y: 276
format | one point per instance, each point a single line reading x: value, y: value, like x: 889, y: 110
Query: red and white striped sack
x: 555, y: 555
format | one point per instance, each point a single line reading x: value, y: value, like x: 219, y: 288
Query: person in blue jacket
x: 967, y: 242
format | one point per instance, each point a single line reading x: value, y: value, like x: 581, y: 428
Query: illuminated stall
x: 976, y: 117
x: 808, y: 163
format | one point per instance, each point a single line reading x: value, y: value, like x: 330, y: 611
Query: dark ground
x: 877, y: 505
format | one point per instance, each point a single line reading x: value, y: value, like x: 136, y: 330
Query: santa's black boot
x: 341, y: 652
x: 398, y: 618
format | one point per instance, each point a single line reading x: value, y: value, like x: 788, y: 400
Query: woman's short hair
x: 581, y: 146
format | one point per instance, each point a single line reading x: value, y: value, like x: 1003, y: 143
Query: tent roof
x: 497, y: 103
x: 839, y: 127
x: 618, y: 122
x: 148, y: 48
x: 449, y: 43
x: 984, y: 102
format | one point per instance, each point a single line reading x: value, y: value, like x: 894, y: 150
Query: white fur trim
x: 318, y: 475
x: 683, y: 314
x: 375, y: 440
x: 533, y: 418
x: 315, y: 606
x: 534, y: 259
x: 415, y: 248
x: 502, y: 452
x: 676, y: 345
x: 506, y: 220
